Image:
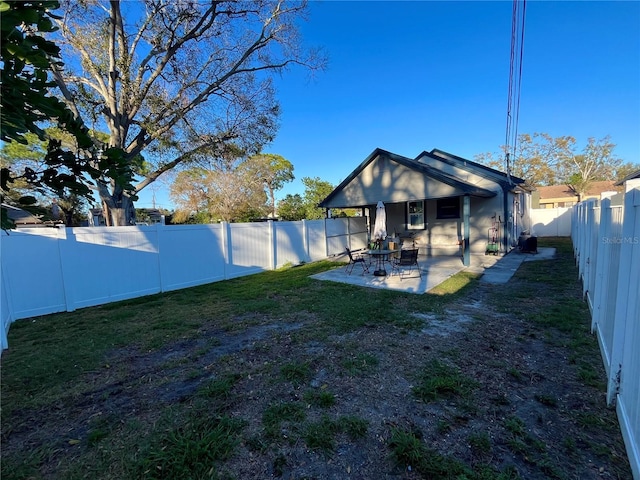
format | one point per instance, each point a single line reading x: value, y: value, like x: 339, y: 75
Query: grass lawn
x: 278, y: 375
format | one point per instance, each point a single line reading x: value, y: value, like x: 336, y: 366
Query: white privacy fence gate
x: 606, y: 240
x: 48, y: 270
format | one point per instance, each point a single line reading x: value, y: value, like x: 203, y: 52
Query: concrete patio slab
x: 435, y: 270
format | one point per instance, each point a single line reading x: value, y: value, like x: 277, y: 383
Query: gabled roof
x: 465, y: 187
x: 475, y: 167
x: 631, y: 176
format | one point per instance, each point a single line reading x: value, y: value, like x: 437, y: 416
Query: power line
x: 515, y: 79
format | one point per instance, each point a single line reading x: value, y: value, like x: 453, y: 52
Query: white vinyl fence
x: 606, y: 240
x: 551, y: 222
x: 48, y: 270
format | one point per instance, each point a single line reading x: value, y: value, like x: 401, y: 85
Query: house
x: 554, y: 196
x: 631, y: 176
x: 23, y: 219
x: 444, y: 203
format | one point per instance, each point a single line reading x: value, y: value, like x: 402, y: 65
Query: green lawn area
x: 275, y: 366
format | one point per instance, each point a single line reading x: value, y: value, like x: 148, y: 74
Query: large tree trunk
x: 122, y: 213
x: 117, y: 207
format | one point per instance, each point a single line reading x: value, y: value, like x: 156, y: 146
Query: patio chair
x: 356, y: 258
x: 408, y: 258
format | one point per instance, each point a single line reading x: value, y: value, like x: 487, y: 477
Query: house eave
x: 477, y: 168
x: 461, y: 187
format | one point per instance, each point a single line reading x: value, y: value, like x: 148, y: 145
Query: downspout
x: 506, y: 230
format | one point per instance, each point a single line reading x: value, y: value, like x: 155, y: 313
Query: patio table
x: 381, y: 256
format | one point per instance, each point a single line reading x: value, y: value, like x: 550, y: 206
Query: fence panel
x: 628, y: 400
x: 592, y: 246
x: 191, y: 255
x: 316, y: 239
x: 80, y: 267
x: 5, y: 313
x: 551, y: 222
x: 607, y: 264
x: 291, y: 243
x: 358, y: 234
x: 346, y: 232
x: 31, y: 263
x: 109, y: 264
x: 607, y: 249
x: 250, y: 248
x: 337, y: 235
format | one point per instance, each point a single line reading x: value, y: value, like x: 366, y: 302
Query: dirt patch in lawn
x: 480, y: 390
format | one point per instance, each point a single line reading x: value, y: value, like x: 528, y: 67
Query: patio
x: 435, y: 270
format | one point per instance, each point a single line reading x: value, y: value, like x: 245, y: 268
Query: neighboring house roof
x: 460, y: 186
x: 20, y: 216
x: 631, y: 176
x: 565, y: 191
x: 556, y: 191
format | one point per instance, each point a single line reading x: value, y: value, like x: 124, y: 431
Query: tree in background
x: 545, y: 160
x: 176, y: 81
x: 596, y: 162
x: 534, y: 161
x: 65, y: 206
x: 27, y: 61
x: 315, y: 190
x: 292, y: 208
x: 210, y: 196
x: 625, y: 170
x: 274, y: 171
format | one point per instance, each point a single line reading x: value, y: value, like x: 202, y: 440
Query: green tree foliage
x: 274, y: 171
x: 177, y: 80
x: 27, y: 59
x: 315, y: 190
x: 292, y: 208
x: 27, y: 62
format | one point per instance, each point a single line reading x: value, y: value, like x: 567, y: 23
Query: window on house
x: 448, y: 207
x: 415, y: 215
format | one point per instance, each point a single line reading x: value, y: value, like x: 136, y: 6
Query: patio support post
x: 466, y: 208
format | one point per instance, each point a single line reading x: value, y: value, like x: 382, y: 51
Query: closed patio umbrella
x: 379, y: 234
x: 380, y: 227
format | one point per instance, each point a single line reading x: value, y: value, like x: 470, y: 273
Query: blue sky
x: 413, y: 76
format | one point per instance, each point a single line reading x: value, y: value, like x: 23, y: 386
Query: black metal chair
x: 407, y: 258
x: 356, y: 258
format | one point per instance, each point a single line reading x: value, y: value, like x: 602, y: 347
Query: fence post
x: 305, y: 241
x: 226, y: 247
x: 160, y: 230
x: 273, y: 242
x: 577, y: 238
x: 326, y: 239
